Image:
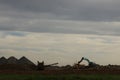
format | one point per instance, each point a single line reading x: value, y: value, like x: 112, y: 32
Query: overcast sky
x: 61, y: 30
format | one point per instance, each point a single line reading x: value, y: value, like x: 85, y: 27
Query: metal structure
x: 90, y: 64
x: 41, y: 65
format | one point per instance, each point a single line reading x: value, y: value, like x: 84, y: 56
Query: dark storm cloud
x: 61, y: 16
x: 92, y: 10
x: 32, y: 5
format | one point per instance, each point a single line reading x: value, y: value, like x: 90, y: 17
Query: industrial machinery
x: 90, y: 64
x: 41, y: 65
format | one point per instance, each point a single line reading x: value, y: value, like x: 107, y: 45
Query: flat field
x: 58, y: 77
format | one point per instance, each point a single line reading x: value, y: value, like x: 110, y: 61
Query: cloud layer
x: 103, y: 10
x: 61, y: 16
x: 62, y: 48
x: 66, y: 29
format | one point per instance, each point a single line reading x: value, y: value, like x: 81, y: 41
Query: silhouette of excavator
x: 90, y: 64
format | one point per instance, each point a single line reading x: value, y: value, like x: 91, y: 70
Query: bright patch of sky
x: 62, y: 48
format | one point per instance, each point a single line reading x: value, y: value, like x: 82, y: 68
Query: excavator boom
x: 81, y: 60
x: 90, y: 64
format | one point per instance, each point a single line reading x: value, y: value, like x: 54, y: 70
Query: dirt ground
x: 60, y: 72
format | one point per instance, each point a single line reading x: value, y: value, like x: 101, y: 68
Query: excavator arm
x: 90, y: 64
x: 83, y: 59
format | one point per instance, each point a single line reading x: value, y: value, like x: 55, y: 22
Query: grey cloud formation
x: 62, y: 48
x: 61, y: 16
x: 107, y: 10
x: 86, y: 22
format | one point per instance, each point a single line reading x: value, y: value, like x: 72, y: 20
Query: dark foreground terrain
x: 58, y: 77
